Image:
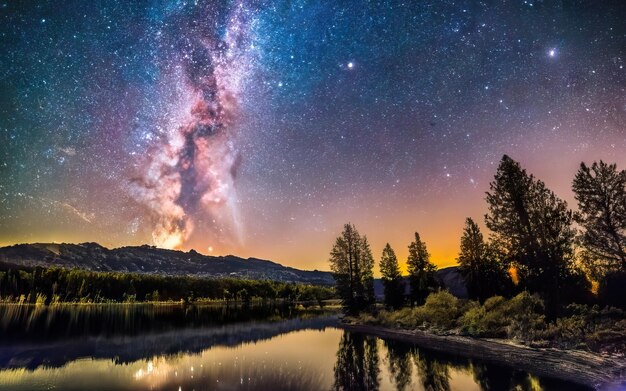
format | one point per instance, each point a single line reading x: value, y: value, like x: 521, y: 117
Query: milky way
x: 190, y: 170
x: 260, y: 127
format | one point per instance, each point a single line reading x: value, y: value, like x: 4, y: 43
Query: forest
x: 545, y: 272
x: 57, y: 285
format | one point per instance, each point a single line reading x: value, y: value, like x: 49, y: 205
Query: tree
x: 601, y: 194
x: 352, y: 264
x: 392, y: 279
x: 367, y: 270
x: 421, y: 271
x: 533, y: 226
x: 482, y: 266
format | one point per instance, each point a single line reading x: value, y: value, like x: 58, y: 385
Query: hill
x: 448, y: 277
x: 152, y: 260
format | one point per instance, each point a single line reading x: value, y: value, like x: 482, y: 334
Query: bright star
x: 552, y: 53
x: 350, y: 65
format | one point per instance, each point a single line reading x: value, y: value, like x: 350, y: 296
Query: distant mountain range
x: 152, y: 260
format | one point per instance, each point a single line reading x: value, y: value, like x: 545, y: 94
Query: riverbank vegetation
x: 58, y: 285
x: 520, y: 318
x: 538, y: 278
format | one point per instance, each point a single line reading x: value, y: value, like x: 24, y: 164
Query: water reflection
x: 400, y: 368
x: 46, y: 323
x: 357, y: 365
x: 52, y: 336
x: 223, y: 348
x: 408, y: 367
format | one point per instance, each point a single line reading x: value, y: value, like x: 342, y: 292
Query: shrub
x: 589, y: 327
x: 519, y: 317
x: 525, y: 314
x: 441, y: 310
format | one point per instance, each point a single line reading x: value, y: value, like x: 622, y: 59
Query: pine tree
x: 421, y: 271
x: 367, y: 273
x: 601, y: 194
x: 482, y: 265
x: 392, y: 279
x: 352, y: 264
x: 533, y: 226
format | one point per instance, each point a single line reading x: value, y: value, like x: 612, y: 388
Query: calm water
x: 144, y: 347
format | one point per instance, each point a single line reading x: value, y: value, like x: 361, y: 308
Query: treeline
x: 533, y: 247
x: 57, y: 285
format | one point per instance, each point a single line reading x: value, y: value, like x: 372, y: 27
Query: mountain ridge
x: 152, y: 260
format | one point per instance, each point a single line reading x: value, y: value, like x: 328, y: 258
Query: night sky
x: 259, y: 128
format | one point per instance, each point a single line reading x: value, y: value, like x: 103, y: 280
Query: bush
x: 441, y: 310
x: 403, y: 318
x: 519, y: 317
x: 589, y: 327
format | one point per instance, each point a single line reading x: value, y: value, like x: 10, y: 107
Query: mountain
x: 152, y: 260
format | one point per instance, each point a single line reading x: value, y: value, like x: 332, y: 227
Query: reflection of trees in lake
x: 433, y: 373
x: 32, y: 336
x: 400, y: 365
x: 59, y: 322
x: 491, y: 377
x: 357, y: 366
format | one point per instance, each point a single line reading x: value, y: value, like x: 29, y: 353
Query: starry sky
x: 258, y: 128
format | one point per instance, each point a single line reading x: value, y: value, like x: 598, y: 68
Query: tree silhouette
x: 392, y: 279
x: 421, y: 271
x: 533, y: 226
x: 601, y: 194
x: 357, y: 366
x: 367, y: 273
x: 400, y: 365
x: 352, y: 264
x: 433, y: 373
x: 491, y: 377
x: 482, y: 266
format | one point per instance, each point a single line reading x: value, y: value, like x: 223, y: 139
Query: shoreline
x: 585, y: 368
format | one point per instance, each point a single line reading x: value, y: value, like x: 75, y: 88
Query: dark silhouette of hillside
x: 152, y: 260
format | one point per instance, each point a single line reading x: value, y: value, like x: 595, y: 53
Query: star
x: 552, y: 53
x: 350, y: 65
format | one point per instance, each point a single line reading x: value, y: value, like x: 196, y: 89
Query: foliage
x: 421, y: 271
x: 440, y: 310
x: 54, y: 285
x: 519, y: 317
x: 612, y: 290
x: 601, y: 194
x: 482, y: 265
x: 352, y: 264
x: 533, y: 226
x: 590, y: 327
x: 391, y: 278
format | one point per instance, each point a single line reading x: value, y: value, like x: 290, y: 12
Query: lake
x: 176, y: 347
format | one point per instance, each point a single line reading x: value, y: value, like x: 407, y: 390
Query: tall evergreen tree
x: 533, y: 226
x: 391, y: 277
x: 421, y: 271
x: 601, y: 194
x: 482, y: 265
x: 367, y: 273
x: 352, y: 264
